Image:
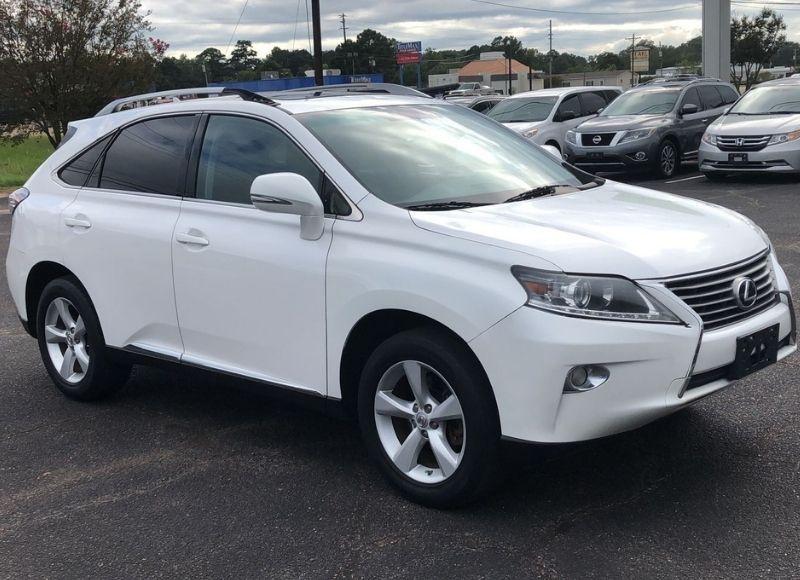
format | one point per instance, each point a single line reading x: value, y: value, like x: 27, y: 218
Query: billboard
x: 409, y: 52
x: 415, y: 46
x: 640, y: 60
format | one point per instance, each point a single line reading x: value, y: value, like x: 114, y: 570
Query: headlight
x: 636, y: 135
x: 710, y: 138
x: 572, y: 137
x: 784, y: 138
x: 530, y: 133
x: 591, y: 296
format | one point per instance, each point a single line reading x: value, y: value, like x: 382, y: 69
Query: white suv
x: 446, y: 281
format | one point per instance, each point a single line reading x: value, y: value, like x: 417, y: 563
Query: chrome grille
x: 749, y: 143
x: 711, y: 294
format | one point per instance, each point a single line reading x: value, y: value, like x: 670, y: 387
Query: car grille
x: 750, y: 143
x: 711, y: 294
x: 596, y: 139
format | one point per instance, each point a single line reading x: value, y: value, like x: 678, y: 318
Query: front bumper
x: 613, y: 158
x: 528, y: 354
x: 772, y: 159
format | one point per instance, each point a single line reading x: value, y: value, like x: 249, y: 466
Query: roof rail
x: 345, y: 89
x: 177, y: 95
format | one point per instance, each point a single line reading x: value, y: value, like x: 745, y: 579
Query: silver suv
x: 651, y: 127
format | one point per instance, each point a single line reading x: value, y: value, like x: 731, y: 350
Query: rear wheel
x: 429, y: 419
x: 71, y: 343
x: 667, y: 160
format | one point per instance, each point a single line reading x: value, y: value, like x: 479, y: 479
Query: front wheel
x: 429, y: 419
x: 71, y: 343
x: 667, y: 160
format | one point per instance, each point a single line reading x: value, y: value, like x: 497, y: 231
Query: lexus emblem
x: 596, y: 139
x: 739, y: 141
x: 744, y: 292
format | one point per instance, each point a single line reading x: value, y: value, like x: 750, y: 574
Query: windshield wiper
x: 442, y: 205
x: 543, y: 191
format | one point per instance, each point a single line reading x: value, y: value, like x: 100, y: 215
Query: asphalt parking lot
x: 181, y: 475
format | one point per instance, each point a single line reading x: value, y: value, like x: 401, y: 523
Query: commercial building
x: 492, y: 70
x: 602, y: 78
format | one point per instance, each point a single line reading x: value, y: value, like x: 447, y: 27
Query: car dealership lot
x: 180, y: 475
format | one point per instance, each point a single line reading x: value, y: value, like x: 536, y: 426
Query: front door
x: 250, y: 292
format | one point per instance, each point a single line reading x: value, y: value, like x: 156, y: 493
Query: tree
x: 510, y: 45
x: 61, y: 61
x: 214, y: 62
x: 754, y: 42
x: 243, y: 57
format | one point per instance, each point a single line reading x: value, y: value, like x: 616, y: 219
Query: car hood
x: 755, y: 124
x: 622, y: 123
x: 611, y: 229
x: 524, y: 126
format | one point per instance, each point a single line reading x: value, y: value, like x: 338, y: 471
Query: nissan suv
x: 650, y: 127
x: 437, y: 276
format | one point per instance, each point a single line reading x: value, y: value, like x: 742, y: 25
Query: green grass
x: 17, y: 162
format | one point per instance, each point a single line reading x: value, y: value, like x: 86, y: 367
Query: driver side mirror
x: 567, y: 115
x: 689, y: 109
x: 290, y: 193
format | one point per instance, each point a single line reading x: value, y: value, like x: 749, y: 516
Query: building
x: 492, y: 70
x: 266, y: 85
x: 602, y: 78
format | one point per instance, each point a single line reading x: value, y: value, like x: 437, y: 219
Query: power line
x: 227, y: 48
x: 296, y: 20
x: 547, y: 10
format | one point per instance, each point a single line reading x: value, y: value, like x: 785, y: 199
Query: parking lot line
x: 685, y: 179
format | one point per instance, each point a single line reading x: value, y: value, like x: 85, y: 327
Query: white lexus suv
x: 430, y: 271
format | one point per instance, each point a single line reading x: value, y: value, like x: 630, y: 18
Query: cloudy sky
x: 579, y: 26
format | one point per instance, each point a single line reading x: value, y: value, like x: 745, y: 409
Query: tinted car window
x: 77, y: 171
x: 610, y: 95
x: 729, y: 94
x: 692, y: 97
x: 521, y: 110
x: 236, y: 150
x: 150, y: 156
x: 570, y: 104
x: 711, y: 97
x: 592, y: 102
x: 656, y: 101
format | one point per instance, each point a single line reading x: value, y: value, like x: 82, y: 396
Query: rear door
x: 118, y: 232
x: 691, y: 126
x: 713, y: 101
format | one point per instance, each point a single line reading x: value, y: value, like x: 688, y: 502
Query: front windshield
x: 436, y: 154
x: 646, y: 102
x: 523, y: 110
x: 775, y: 100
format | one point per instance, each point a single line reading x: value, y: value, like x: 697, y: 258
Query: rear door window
x: 592, y: 102
x: 150, y: 156
x: 570, y: 107
x: 610, y: 95
x: 77, y: 171
x: 711, y: 97
x: 729, y: 94
x: 692, y: 98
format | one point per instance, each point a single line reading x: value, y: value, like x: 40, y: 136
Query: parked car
x: 485, y: 104
x: 650, y: 127
x: 760, y: 133
x: 545, y: 116
x: 471, y: 89
x: 404, y: 260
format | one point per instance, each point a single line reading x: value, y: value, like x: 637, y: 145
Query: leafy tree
x: 214, y: 62
x: 61, y: 61
x: 243, y: 57
x: 179, y: 73
x: 754, y: 42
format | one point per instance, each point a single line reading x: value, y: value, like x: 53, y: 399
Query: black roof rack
x: 177, y: 95
x: 677, y: 80
x: 345, y: 89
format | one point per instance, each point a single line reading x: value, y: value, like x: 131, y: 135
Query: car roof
x: 558, y: 91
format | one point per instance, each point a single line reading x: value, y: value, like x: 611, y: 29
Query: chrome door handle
x: 74, y: 222
x: 191, y: 240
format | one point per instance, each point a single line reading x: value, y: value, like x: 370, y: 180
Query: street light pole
x: 315, y: 22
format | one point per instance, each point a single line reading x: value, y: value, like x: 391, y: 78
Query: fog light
x: 640, y: 156
x: 585, y: 378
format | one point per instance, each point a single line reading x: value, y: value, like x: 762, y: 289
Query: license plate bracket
x: 737, y: 157
x: 754, y: 352
x: 595, y: 155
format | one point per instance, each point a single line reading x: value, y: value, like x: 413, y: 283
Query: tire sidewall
x: 664, y: 144
x: 447, y: 356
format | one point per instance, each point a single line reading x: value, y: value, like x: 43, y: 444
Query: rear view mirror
x: 689, y: 109
x: 290, y: 193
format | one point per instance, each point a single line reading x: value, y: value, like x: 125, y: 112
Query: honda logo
x: 745, y: 292
x: 739, y: 141
x: 596, y: 139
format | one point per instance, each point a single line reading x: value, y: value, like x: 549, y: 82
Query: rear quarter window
x: 77, y: 171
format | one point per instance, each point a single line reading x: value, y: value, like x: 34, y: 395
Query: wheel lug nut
x: 424, y: 433
x: 428, y: 408
x: 416, y: 407
x: 434, y: 425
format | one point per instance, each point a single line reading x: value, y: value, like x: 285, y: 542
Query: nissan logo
x: 744, y: 292
x: 596, y: 139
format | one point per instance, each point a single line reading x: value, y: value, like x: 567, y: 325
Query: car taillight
x: 16, y: 198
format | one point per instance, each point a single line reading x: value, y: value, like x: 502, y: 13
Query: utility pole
x: 342, y: 18
x: 660, y: 58
x: 550, y: 54
x: 318, y: 80
x: 633, y: 49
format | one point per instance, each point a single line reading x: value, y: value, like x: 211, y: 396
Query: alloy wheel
x: 65, y: 335
x: 420, y: 422
x: 668, y: 156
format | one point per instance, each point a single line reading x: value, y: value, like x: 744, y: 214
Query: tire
x: 466, y: 463
x: 71, y: 343
x: 668, y: 160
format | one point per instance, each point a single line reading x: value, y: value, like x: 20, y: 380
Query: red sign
x: 408, y: 57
